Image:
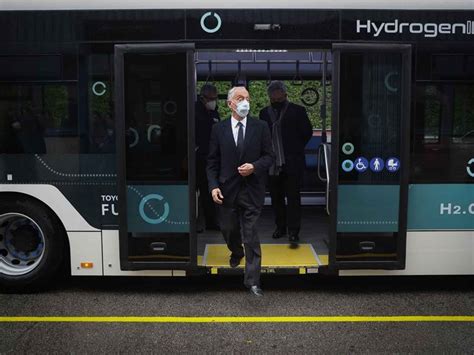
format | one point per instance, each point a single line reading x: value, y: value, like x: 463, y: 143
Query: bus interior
x: 307, y: 77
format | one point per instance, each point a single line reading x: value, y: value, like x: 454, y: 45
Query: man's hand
x: 246, y: 169
x: 217, y: 196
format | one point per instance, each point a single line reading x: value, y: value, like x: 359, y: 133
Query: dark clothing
x: 205, y: 119
x: 206, y: 207
x: 243, y: 196
x: 223, y: 160
x: 238, y: 224
x: 296, y: 131
x: 288, y: 186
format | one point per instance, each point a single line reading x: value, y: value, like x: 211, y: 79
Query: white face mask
x: 243, y: 108
x: 211, y: 105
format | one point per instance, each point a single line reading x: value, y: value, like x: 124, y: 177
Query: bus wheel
x: 32, y: 243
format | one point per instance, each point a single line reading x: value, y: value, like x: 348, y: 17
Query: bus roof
x: 247, y: 4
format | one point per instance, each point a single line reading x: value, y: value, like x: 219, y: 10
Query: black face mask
x: 278, y: 105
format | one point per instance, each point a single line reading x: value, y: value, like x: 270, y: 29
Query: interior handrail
x: 320, y: 161
x: 327, y: 161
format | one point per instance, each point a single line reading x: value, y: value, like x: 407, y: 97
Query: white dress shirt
x: 235, y: 128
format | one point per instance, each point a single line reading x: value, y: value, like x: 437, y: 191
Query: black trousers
x: 239, y: 225
x: 206, y: 206
x: 287, y: 216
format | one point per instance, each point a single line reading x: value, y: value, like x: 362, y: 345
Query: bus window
x: 444, y: 132
x: 38, y: 118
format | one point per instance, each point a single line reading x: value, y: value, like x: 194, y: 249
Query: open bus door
x: 154, y: 105
x: 369, y: 192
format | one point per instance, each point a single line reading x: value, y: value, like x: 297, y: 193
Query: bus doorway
x: 354, y: 200
x: 306, y: 75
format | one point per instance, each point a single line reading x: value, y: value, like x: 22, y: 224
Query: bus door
x: 154, y: 98
x: 369, y: 180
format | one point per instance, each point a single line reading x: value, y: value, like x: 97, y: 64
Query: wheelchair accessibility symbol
x: 216, y: 28
x: 146, y: 218
x: 361, y: 164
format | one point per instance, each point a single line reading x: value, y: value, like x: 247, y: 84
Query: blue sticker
x: 361, y: 164
x: 376, y: 164
x: 392, y: 164
x: 347, y: 165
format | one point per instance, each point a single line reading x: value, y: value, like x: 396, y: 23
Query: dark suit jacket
x: 223, y: 160
x: 296, y: 131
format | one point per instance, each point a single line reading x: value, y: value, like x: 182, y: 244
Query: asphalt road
x: 224, y: 296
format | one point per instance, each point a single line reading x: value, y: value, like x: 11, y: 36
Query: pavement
x: 219, y: 296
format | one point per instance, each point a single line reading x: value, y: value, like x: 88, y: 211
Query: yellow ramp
x: 273, y: 255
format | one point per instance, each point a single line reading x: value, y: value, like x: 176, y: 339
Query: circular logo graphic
x: 361, y: 164
x: 348, y: 148
x: 99, y: 88
x: 376, y: 164
x: 374, y: 120
x: 217, y: 26
x: 387, y: 84
x: 135, y: 137
x: 470, y: 167
x: 309, y: 96
x: 392, y: 164
x: 160, y: 219
x: 347, y: 165
x: 170, y: 108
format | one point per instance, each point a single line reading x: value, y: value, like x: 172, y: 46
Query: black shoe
x: 294, y: 238
x: 234, y: 261
x: 256, y: 291
x: 278, y: 233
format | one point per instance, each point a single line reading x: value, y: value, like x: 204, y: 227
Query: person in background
x: 206, y: 116
x: 291, y: 130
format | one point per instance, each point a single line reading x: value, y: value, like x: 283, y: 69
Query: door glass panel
x: 370, y: 136
x: 156, y: 173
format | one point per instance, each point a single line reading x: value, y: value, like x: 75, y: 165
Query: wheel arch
x: 11, y: 195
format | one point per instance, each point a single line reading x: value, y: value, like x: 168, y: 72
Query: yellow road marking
x: 310, y: 319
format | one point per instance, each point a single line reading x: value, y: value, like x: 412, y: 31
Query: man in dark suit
x: 291, y: 130
x: 240, y: 154
x: 206, y: 116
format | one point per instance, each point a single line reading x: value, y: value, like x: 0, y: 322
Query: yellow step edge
x: 273, y: 255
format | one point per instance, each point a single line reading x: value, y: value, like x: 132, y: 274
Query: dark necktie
x: 240, y: 138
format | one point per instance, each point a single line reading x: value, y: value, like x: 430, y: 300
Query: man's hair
x: 276, y: 85
x: 208, y: 88
x: 231, y: 92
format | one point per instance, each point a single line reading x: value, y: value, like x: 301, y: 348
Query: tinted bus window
x: 38, y: 118
x: 155, y: 117
x: 101, y: 120
x: 443, y: 132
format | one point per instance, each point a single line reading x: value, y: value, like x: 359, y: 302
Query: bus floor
x: 311, y: 251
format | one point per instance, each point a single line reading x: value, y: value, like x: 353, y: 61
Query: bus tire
x: 32, y: 245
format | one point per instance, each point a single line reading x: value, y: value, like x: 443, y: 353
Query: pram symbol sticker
x: 392, y: 164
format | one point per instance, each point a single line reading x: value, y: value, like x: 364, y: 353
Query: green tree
x: 259, y: 98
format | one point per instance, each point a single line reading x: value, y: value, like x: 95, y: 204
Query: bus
x: 97, y: 127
